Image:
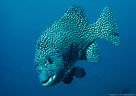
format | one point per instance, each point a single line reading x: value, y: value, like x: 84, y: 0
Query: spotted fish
x: 71, y: 39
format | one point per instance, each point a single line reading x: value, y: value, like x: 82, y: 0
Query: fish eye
x: 50, y: 60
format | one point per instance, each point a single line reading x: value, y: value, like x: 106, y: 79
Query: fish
x: 125, y: 91
x: 70, y: 39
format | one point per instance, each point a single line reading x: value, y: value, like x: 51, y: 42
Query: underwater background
x: 21, y: 23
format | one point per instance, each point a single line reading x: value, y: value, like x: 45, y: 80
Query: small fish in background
x: 125, y: 91
x: 121, y: 92
x: 71, y: 39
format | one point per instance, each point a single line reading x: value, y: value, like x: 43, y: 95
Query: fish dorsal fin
x: 92, y: 53
x: 75, y: 15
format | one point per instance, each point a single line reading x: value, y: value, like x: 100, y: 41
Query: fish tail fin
x: 105, y: 27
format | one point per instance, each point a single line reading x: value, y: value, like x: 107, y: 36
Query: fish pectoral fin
x: 93, y: 54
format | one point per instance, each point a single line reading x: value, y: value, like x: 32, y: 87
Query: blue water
x: 22, y: 21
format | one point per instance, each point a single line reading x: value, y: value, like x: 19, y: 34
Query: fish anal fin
x: 93, y: 54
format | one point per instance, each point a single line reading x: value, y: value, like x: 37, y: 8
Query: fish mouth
x: 49, y: 81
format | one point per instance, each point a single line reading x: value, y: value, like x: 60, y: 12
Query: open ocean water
x: 21, y: 23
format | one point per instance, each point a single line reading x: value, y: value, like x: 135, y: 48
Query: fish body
x: 70, y: 39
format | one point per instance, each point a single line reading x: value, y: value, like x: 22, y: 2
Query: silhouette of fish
x: 70, y: 39
x: 125, y: 91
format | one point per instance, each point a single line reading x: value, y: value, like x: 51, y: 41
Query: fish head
x: 50, y: 68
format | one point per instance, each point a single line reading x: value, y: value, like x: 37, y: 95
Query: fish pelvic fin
x: 105, y: 27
